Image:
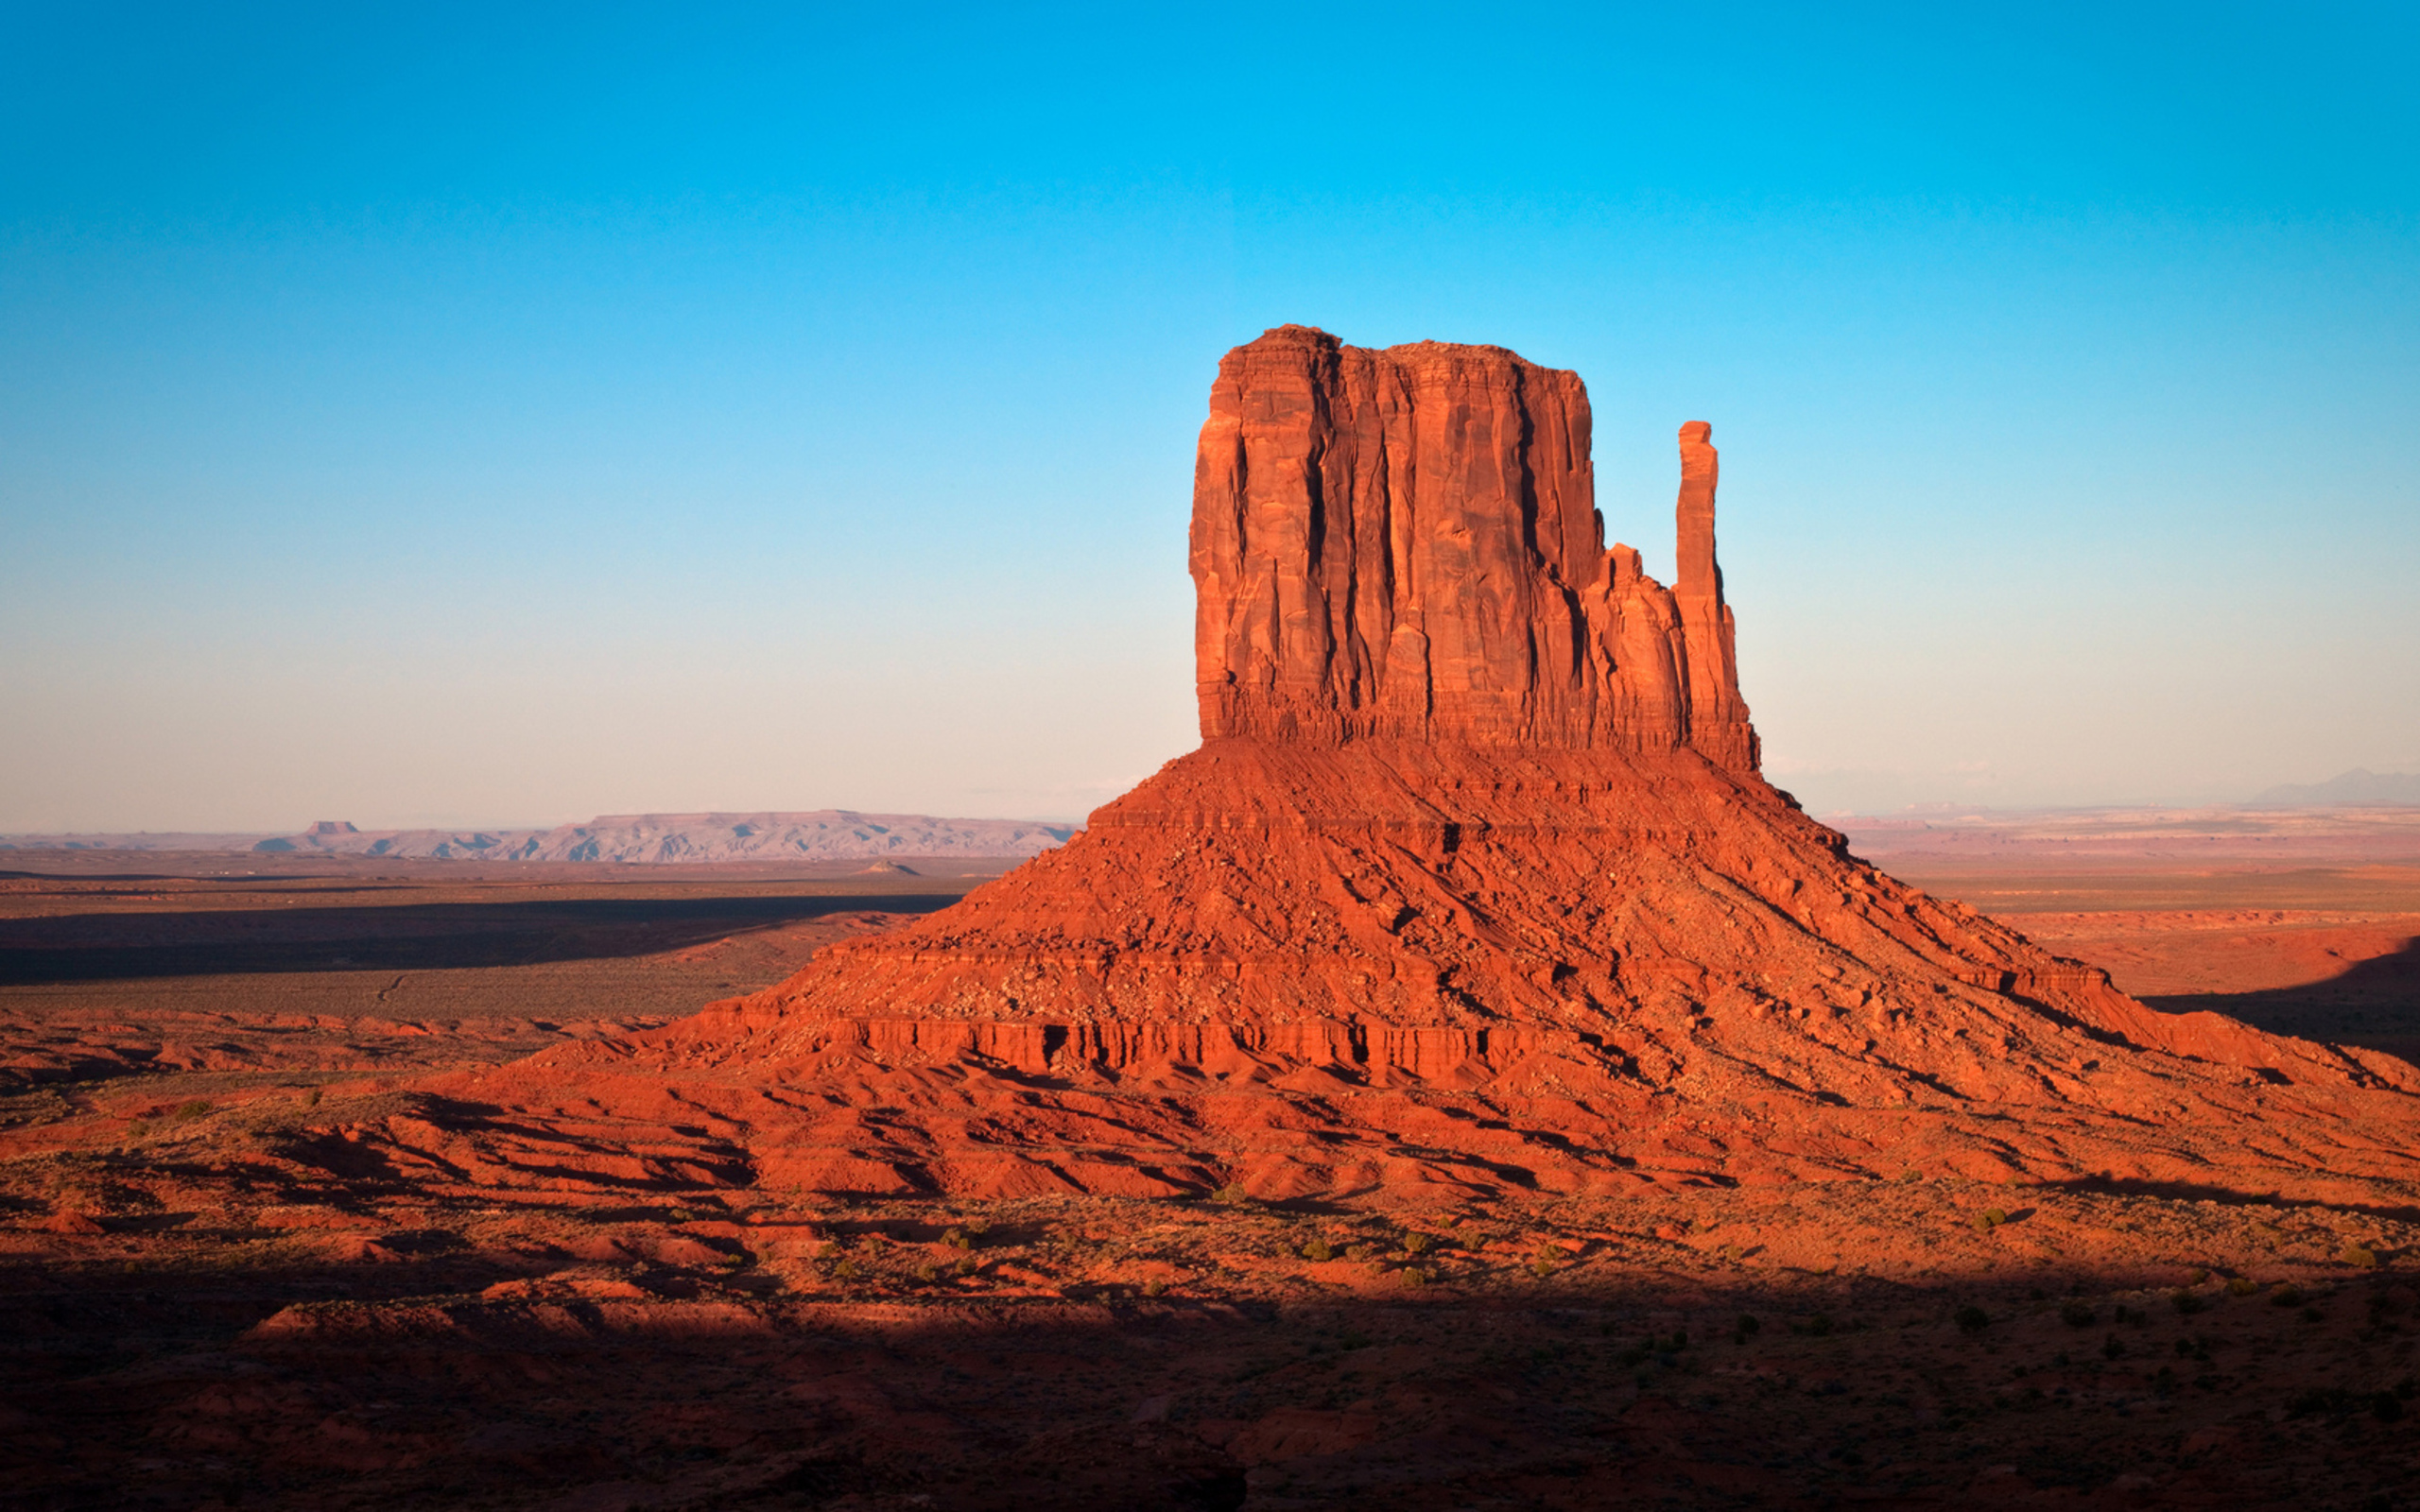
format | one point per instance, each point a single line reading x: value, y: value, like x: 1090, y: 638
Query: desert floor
x: 205, y: 1305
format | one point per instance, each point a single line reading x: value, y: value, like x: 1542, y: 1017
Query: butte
x: 1472, y: 887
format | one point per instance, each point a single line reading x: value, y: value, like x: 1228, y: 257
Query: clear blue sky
x: 445, y: 414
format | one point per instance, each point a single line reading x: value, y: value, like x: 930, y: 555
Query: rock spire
x: 1406, y: 543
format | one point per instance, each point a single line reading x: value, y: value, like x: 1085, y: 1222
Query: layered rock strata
x: 1471, y: 885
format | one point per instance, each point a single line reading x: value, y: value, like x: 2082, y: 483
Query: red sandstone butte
x: 1472, y: 885
x: 1407, y: 543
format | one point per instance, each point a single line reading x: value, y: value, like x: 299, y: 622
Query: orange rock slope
x: 1473, y: 884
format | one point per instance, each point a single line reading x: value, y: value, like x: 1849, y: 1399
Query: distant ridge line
x: 818, y: 834
x: 2359, y: 787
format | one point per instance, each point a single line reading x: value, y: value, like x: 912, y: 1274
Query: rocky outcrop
x: 1470, y: 885
x: 1406, y: 543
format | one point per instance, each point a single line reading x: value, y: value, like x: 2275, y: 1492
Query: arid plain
x: 207, y: 1304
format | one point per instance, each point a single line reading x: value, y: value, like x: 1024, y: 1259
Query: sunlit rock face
x: 1406, y: 543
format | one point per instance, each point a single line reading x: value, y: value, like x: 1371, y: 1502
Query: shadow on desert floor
x: 2374, y: 1002
x: 449, y: 1375
x: 399, y: 938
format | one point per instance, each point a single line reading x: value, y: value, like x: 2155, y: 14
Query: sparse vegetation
x: 2287, y: 1295
x: 1971, y: 1319
x: 2242, y: 1286
x: 1989, y: 1219
x: 1319, y: 1250
x: 2360, y: 1256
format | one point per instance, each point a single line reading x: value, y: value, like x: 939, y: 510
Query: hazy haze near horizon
x: 418, y: 417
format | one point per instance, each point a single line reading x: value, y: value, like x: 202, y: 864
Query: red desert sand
x: 1462, y: 1082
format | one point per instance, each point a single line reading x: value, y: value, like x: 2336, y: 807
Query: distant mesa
x: 822, y: 835
x: 1472, y: 886
x: 2360, y: 787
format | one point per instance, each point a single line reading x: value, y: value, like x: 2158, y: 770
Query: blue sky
x: 423, y: 416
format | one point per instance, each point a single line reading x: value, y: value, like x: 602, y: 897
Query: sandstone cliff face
x: 1406, y: 543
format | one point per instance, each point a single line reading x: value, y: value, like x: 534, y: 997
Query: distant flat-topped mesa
x: 1406, y: 543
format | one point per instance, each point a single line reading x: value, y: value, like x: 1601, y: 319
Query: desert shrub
x: 2242, y: 1286
x: 1543, y: 1265
x: 1747, y: 1325
x: 185, y: 1112
x: 1414, y: 1275
x: 1319, y: 1250
x: 1416, y: 1243
x: 957, y: 1239
x: 1358, y: 1251
x: 311, y: 1098
x: 2360, y: 1256
x: 965, y: 1265
x: 1989, y: 1219
x: 1232, y: 1191
x: 2164, y: 1381
x: 2113, y: 1348
x: 2312, y: 1315
x: 2288, y: 1295
x: 2078, y: 1316
x: 1971, y: 1319
x: 1679, y: 1341
x: 927, y: 1271
x: 2185, y: 1302
x: 1154, y: 1288
x: 1816, y: 1327
x: 846, y: 1270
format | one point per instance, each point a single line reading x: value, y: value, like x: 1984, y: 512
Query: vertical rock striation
x: 1406, y: 543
